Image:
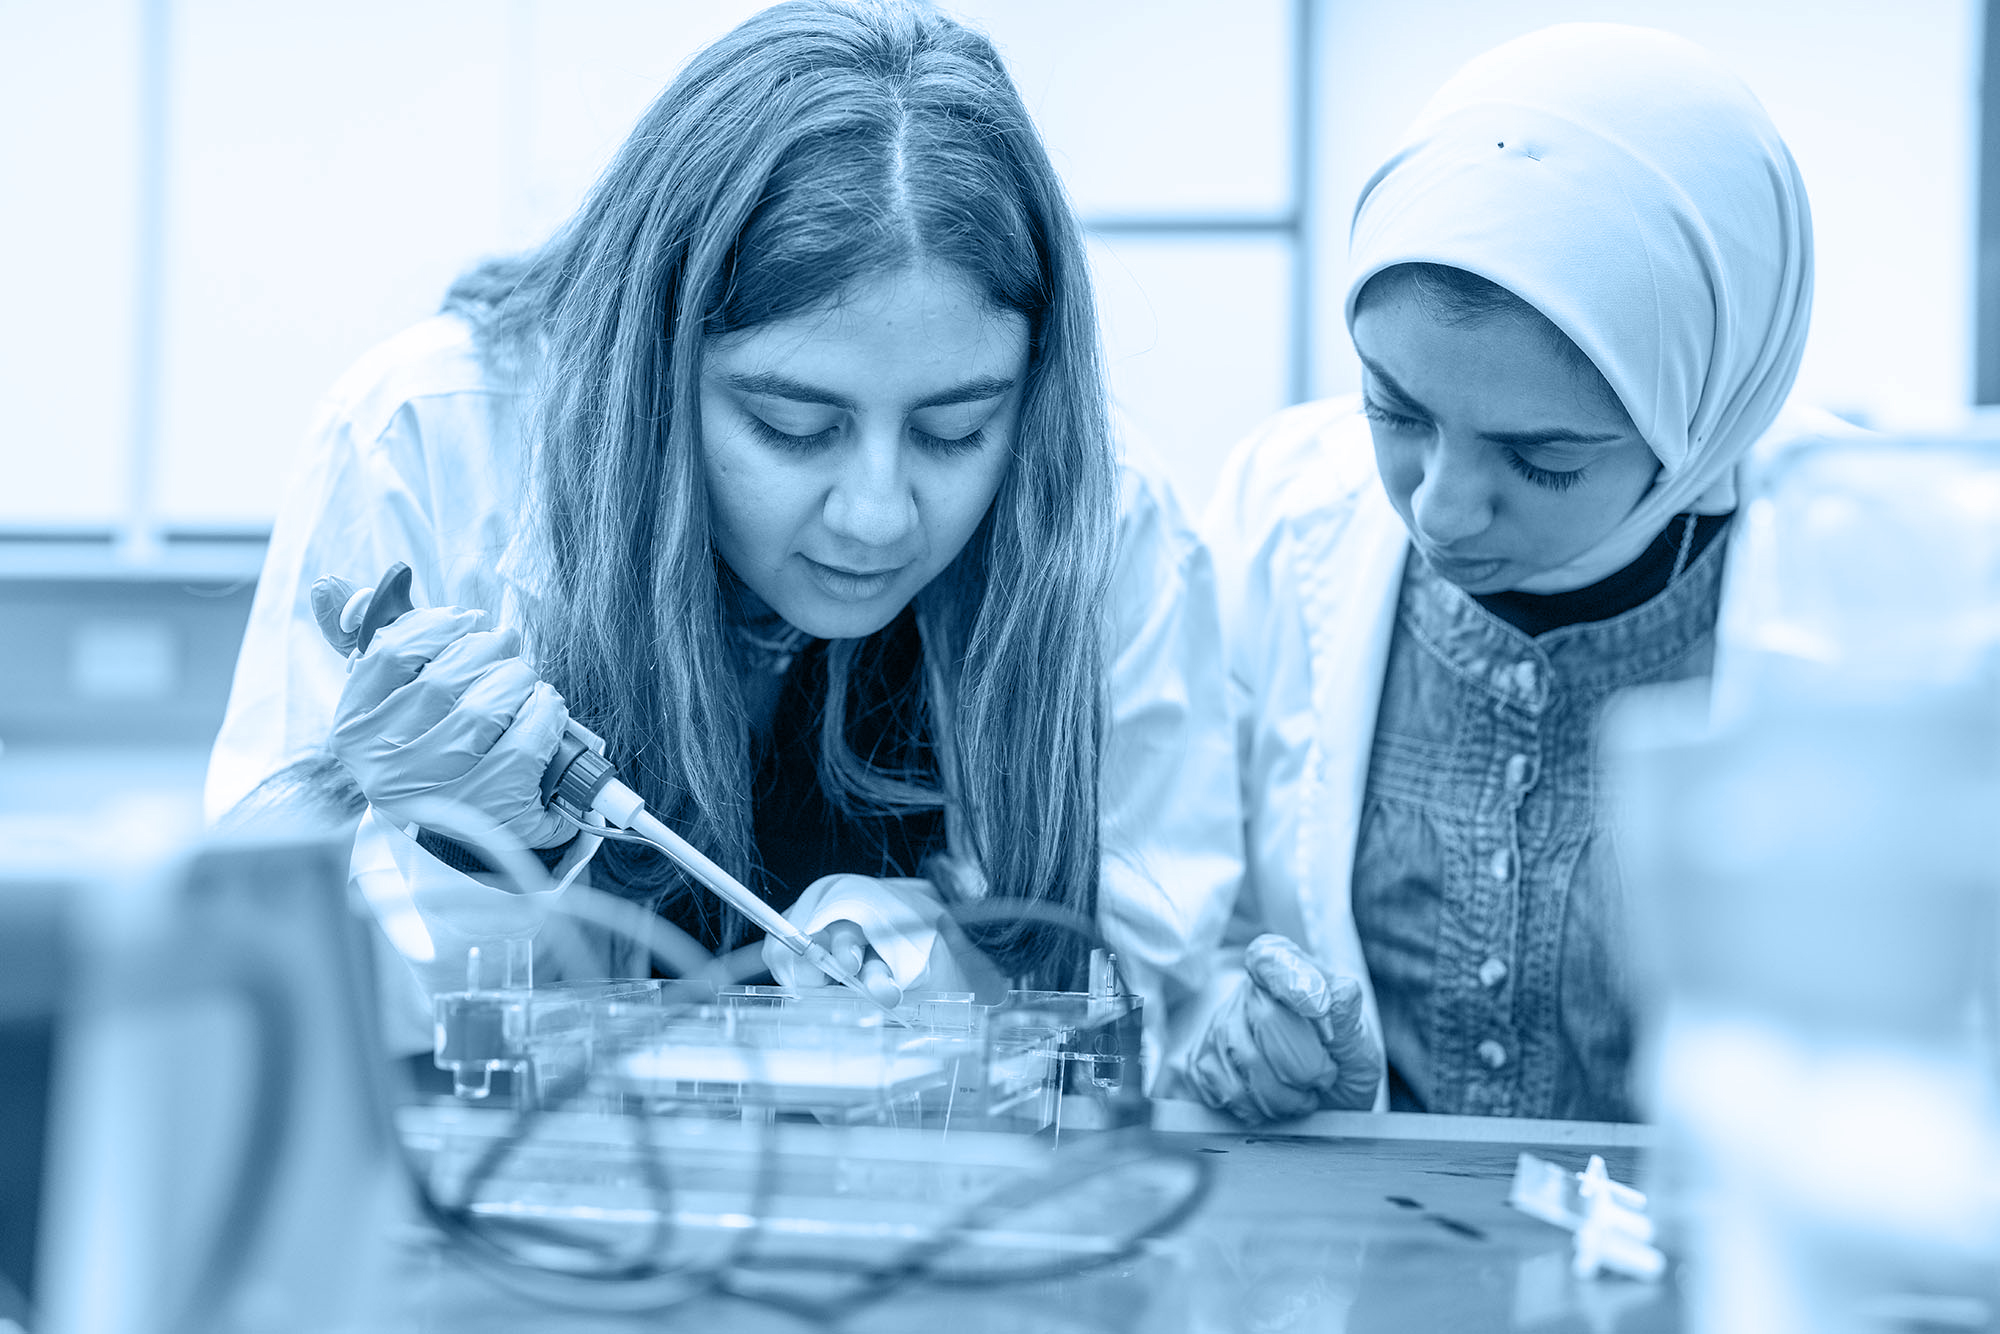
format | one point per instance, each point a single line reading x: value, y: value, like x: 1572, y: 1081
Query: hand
x: 1290, y: 1041
x: 442, y: 723
x: 893, y: 933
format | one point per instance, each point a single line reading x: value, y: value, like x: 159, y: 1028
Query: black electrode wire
x: 1005, y: 910
x: 458, y: 1218
x: 634, y: 1285
x: 919, y: 1261
x: 663, y: 942
x: 503, y: 1146
x: 620, y: 916
x: 1093, y: 1159
x: 472, y: 1239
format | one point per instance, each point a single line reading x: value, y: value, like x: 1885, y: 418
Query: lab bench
x: 1340, y: 1222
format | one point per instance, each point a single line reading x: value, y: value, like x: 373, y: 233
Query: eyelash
x: 965, y: 444
x: 797, y: 444
x: 1395, y: 421
x: 806, y: 444
x: 1546, y: 478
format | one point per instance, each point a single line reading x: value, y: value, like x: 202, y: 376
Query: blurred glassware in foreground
x: 193, y: 1133
x: 1865, y: 570
x: 1813, y: 865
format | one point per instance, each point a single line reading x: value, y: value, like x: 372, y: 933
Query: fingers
x: 876, y: 978
x: 847, y: 943
x: 441, y: 684
x: 520, y: 758
x: 1348, y: 1067
x: 784, y: 965
x: 529, y: 740
x: 1231, y: 1072
x: 1232, y: 1079
x: 1261, y: 1060
x: 1355, y: 1052
x: 449, y: 714
x: 466, y: 717
x: 413, y: 752
x: 849, y: 946
x: 330, y: 595
x: 1288, y: 974
x: 1290, y: 1047
x: 480, y: 771
x: 403, y: 649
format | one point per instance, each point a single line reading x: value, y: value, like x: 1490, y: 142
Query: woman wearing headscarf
x: 1580, y: 295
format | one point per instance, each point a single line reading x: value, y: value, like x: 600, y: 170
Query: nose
x: 1453, y: 500
x: 871, y: 502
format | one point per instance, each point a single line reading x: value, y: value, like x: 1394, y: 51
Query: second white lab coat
x: 1309, y: 559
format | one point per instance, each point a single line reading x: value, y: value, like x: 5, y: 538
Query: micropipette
x: 579, y: 781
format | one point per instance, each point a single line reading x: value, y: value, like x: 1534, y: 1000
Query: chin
x: 824, y: 620
x: 1476, y: 577
x: 1480, y: 588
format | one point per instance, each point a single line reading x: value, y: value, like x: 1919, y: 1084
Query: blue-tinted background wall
x: 212, y: 206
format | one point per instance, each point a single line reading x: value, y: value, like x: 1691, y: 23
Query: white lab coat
x: 421, y: 454
x: 1309, y: 559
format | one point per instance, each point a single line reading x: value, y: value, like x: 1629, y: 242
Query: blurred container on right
x: 1813, y: 855
x: 1864, y: 570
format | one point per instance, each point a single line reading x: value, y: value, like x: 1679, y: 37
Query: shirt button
x: 1524, y: 677
x: 1493, y: 972
x: 1517, y: 770
x: 1501, y: 864
x: 1493, y: 1054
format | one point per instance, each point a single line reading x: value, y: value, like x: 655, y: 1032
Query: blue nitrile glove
x: 1290, y: 1041
x: 441, y: 717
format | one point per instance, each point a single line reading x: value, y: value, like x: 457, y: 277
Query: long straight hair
x: 816, y: 145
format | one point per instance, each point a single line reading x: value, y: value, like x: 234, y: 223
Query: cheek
x: 960, y: 495
x: 1624, y: 484
x: 721, y: 471
x: 749, y: 503
x: 1589, y: 513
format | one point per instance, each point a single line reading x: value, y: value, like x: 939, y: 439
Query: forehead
x: 1505, y: 361
x: 916, y: 323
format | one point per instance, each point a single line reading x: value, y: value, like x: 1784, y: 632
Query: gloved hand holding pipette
x: 447, y: 716
x: 1290, y: 1040
x: 441, y: 718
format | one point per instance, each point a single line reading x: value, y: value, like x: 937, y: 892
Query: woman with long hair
x: 785, y: 468
x: 1580, y: 293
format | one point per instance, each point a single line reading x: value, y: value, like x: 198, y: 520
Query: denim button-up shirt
x: 1484, y: 888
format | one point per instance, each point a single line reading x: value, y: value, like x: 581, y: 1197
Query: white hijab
x: 1632, y: 190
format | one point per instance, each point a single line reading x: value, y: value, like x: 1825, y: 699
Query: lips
x: 848, y: 584
x: 853, y: 573
x: 1463, y: 569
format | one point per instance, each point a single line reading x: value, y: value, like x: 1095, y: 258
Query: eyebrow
x: 1548, y: 435
x: 772, y: 385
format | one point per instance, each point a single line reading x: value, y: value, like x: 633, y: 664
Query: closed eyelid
x: 1556, y: 454
x: 960, y: 419
x: 792, y: 418
x: 1555, y: 437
